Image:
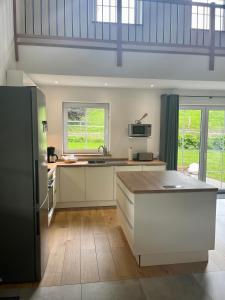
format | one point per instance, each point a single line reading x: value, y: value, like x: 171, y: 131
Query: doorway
x: 201, y: 146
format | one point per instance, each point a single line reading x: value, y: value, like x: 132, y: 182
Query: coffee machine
x: 52, y: 157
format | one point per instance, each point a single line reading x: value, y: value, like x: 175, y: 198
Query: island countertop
x: 162, y: 182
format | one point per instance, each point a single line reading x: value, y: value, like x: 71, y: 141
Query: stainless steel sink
x: 106, y: 162
x: 172, y: 187
x: 116, y: 162
x: 97, y: 162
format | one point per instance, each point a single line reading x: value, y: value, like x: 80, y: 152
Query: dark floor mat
x: 9, y: 298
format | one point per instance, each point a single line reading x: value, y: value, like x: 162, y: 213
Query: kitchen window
x: 201, y: 16
x: 86, y: 127
x: 106, y: 11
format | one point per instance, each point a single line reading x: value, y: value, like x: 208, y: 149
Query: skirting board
x: 171, y: 258
x: 85, y: 204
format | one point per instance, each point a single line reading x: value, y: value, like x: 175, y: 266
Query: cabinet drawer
x: 126, y: 205
x: 127, y: 229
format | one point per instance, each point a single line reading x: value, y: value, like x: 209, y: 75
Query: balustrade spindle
x: 212, y: 36
x: 119, y: 32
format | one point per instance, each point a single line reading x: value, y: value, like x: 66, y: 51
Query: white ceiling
x: 112, y: 82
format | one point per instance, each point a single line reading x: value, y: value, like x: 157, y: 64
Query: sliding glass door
x: 189, y: 141
x: 215, y: 160
x: 201, y: 147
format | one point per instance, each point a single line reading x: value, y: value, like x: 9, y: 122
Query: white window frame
x: 204, y: 16
x: 69, y: 105
x: 205, y: 109
x: 137, y: 18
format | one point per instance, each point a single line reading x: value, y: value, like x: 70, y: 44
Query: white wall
x: 69, y: 61
x: 126, y: 106
x: 6, y: 38
x: 18, y: 78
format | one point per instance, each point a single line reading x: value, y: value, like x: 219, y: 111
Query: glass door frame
x: 203, y: 134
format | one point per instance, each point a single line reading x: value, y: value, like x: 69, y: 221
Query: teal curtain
x: 169, y: 130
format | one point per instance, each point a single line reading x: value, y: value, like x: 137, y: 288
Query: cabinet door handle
x: 125, y: 194
x: 38, y: 223
x: 125, y: 216
x: 37, y: 180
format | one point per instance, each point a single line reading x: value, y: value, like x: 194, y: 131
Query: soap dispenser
x: 130, y: 153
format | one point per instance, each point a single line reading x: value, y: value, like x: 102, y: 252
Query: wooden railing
x: 133, y: 25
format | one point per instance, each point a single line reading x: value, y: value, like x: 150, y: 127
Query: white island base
x: 168, y: 227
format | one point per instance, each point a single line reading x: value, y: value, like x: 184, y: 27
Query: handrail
x: 186, y: 2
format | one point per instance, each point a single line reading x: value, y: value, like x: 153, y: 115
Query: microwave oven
x: 139, y: 130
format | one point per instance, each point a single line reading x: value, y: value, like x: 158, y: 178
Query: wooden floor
x: 87, y: 245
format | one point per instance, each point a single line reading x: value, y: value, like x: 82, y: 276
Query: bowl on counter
x: 69, y: 159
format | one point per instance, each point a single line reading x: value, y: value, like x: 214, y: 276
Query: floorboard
x: 88, y: 245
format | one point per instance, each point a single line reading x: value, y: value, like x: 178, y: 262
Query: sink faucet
x: 104, y: 148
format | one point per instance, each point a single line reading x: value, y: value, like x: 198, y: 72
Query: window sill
x: 79, y: 155
x: 93, y: 154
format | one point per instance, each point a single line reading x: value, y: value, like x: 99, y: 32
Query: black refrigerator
x: 23, y: 185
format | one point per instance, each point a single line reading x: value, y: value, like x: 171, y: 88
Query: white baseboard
x: 172, y: 258
x: 85, y: 204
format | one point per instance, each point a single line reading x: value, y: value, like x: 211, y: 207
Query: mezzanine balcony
x: 158, y: 26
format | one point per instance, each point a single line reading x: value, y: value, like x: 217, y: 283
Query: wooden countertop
x: 113, y: 162
x: 154, y: 182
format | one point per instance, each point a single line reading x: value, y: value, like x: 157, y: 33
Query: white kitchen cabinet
x: 72, y: 184
x: 55, y: 188
x: 154, y: 168
x: 91, y: 186
x: 99, y: 183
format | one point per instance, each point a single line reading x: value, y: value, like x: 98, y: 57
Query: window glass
x: 201, y: 16
x: 85, y: 127
x: 106, y: 11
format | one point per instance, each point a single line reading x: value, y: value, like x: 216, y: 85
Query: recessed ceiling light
x: 152, y: 86
x: 56, y: 82
x: 105, y: 84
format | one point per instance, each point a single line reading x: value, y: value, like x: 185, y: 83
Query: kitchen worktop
x: 109, y: 162
x: 155, y: 182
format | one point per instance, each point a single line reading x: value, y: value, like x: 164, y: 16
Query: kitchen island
x: 166, y: 216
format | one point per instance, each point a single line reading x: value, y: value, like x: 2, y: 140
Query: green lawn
x: 191, y: 119
x: 75, y: 143
x: 215, y: 162
x: 189, y: 138
x: 90, y: 134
